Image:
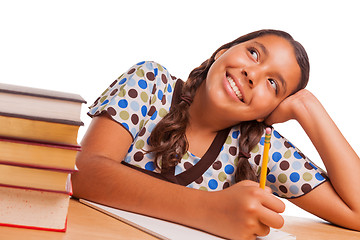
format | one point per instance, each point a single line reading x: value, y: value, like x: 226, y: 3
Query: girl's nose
x: 251, y: 83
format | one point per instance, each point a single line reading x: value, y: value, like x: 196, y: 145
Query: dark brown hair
x: 168, y: 141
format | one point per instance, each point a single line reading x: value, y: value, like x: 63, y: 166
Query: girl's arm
x: 336, y: 200
x: 239, y: 212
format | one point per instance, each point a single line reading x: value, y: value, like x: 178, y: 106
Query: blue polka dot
x: 319, y: 177
x: 297, y: 155
x: 178, y: 170
x: 276, y: 156
x: 224, y: 157
x: 208, y: 173
x: 294, y: 189
x: 135, y: 106
x: 151, y: 127
x: 125, y: 125
x: 128, y: 159
x: 140, y: 63
x: 262, y: 141
x: 123, y: 103
x: 131, y: 148
x: 213, y: 184
x: 156, y: 71
x: 131, y: 82
x: 277, y: 144
x: 133, y: 131
x: 142, y: 84
x: 154, y: 115
x: 271, y: 178
x: 229, y: 169
x: 276, y: 134
x: 273, y: 169
x: 235, y: 134
x: 296, y: 165
x: 150, y: 166
x: 105, y: 102
x: 144, y: 110
x: 113, y: 101
x: 149, y: 65
x: 169, y: 89
x: 122, y: 81
x: 160, y: 94
x: 294, y: 177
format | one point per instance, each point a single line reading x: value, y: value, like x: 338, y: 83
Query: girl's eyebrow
x: 262, y: 47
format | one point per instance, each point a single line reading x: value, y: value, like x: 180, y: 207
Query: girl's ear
x: 219, y: 53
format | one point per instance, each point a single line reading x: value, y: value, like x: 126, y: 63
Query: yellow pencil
x: 265, y: 158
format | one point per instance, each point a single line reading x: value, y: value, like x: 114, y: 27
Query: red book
x: 35, y: 209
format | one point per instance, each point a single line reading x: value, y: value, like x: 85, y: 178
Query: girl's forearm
x: 341, y: 161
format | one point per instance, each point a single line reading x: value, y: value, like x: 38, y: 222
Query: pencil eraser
x: 268, y: 130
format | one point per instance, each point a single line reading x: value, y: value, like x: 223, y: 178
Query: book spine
x: 35, y: 118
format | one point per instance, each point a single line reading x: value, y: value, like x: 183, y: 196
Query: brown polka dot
x: 133, y: 93
x: 164, y: 78
x: 172, y: 77
x: 113, y: 83
x: 163, y: 100
x: 284, y: 165
x: 138, y: 156
x: 134, y: 119
x: 150, y: 76
x: 96, y: 101
x: 151, y: 110
x: 287, y: 144
x: 187, y: 165
x: 217, y: 165
x: 154, y: 89
x: 131, y: 71
x: 199, y: 180
x: 142, y: 131
x: 226, y: 185
x: 113, y: 92
x: 306, y: 188
x: 257, y: 159
x: 308, y: 166
x: 232, y: 150
x: 301, y: 154
x: 283, y: 189
x: 111, y: 111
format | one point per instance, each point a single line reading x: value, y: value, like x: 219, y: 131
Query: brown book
x: 38, y: 114
x: 34, y: 178
x: 28, y: 208
x: 38, y: 154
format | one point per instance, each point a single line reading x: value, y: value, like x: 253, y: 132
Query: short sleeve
x: 130, y: 100
x: 290, y: 173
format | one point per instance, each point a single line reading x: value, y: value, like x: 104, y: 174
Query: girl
x: 207, y: 134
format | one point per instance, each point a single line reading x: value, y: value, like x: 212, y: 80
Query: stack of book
x: 38, y: 146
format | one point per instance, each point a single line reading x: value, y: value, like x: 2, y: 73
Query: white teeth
x: 234, y: 88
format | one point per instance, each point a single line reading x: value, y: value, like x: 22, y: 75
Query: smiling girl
x: 208, y: 134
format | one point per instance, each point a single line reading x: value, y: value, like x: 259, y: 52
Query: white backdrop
x: 82, y: 46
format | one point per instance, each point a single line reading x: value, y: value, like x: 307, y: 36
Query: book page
x: 168, y: 230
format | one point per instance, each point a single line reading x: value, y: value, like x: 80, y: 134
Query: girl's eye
x: 254, y: 54
x: 273, y: 84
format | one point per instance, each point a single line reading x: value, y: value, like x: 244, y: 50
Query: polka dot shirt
x: 142, y: 96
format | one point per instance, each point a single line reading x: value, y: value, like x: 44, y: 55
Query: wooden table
x: 88, y: 224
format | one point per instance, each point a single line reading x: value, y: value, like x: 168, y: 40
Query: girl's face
x: 249, y: 80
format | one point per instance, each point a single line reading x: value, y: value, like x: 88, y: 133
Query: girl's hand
x: 290, y: 106
x: 247, y: 211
